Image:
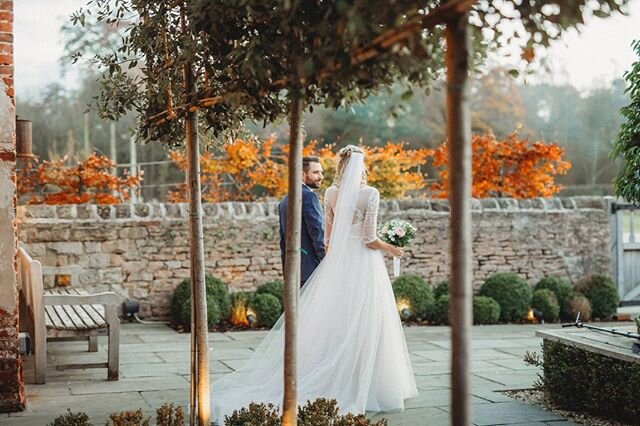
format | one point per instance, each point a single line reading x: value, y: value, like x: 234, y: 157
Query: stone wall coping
x: 267, y: 209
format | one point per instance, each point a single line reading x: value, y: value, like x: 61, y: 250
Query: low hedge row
x: 265, y: 303
x: 507, y: 297
x: 581, y: 380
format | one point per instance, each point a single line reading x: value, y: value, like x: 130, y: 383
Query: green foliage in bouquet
x: 602, y: 294
x: 512, y: 293
x: 561, y: 287
x: 546, y: 302
x: 267, y: 308
x: 181, y: 302
x: 397, y: 232
x: 274, y: 288
x: 485, y: 310
x: 414, y: 291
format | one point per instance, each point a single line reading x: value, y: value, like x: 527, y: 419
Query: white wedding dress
x: 351, y: 346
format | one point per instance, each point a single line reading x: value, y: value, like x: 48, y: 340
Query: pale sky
x: 597, y: 55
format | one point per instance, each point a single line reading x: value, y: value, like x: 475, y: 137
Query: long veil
x: 345, y: 208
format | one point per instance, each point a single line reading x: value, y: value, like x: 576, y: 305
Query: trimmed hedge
x: 577, y: 303
x: 441, y: 310
x: 441, y: 289
x: 581, y: 380
x: 415, y: 291
x: 546, y: 302
x: 267, y: 308
x: 601, y: 292
x: 561, y: 287
x: 181, y: 302
x: 274, y: 288
x: 485, y: 310
x: 512, y: 293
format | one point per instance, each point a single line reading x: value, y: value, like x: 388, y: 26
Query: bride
x: 351, y: 346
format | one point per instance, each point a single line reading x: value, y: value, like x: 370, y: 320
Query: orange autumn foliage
x: 512, y: 167
x: 248, y: 171
x: 52, y: 182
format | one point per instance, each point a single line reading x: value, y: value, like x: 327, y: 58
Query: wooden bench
x: 65, y: 314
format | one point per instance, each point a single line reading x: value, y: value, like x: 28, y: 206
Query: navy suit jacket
x: 312, y: 235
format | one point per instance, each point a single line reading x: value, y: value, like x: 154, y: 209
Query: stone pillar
x: 12, y: 396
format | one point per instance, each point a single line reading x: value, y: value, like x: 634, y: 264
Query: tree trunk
x: 459, y: 135
x: 87, y: 138
x: 196, y: 253
x: 113, y: 150
x: 292, y: 265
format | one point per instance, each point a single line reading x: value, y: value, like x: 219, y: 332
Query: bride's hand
x: 396, y: 251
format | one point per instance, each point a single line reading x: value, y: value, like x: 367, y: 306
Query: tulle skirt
x: 351, y: 346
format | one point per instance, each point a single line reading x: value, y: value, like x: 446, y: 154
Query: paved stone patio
x: 154, y: 369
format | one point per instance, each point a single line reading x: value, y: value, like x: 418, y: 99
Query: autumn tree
x: 247, y: 171
x: 511, y: 167
x: 90, y: 181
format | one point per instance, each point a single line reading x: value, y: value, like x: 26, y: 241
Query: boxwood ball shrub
x: 602, y: 294
x: 415, y: 291
x: 267, y: 308
x: 220, y: 292
x: 181, y: 305
x: 274, y: 288
x: 441, y: 310
x: 561, y: 287
x: 441, y: 289
x: 512, y: 293
x: 577, y: 303
x: 485, y: 310
x: 546, y: 302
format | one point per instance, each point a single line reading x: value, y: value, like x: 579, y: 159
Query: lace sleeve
x: 328, y: 218
x: 370, y: 227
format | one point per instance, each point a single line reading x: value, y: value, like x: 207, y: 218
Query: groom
x: 312, y: 235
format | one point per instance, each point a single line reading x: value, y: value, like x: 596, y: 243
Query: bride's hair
x: 343, y: 159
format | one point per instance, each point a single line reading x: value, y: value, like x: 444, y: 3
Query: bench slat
x: 64, y: 318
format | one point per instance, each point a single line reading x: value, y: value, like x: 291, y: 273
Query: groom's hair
x: 306, y: 161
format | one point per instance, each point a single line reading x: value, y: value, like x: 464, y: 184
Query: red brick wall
x: 12, y: 396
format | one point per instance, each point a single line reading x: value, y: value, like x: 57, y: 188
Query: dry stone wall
x: 141, y: 251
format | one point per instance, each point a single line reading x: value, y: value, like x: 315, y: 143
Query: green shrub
x: 220, y: 292
x: 255, y: 414
x: 128, y: 418
x: 485, y: 310
x: 512, y: 293
x: 71, y: 419
x: 181, y: 306
x: 267, y: 308
x: 415, y: 291
x: 602, y: 294
x: 169, y: 415
x: 577, y: 303
x: 442, y: 289
x: 546, y: 302
x: 561, y: 287
x: 581, y: 380
x: 321, y: 412
x: 441, y: 310
x: 274, y: 288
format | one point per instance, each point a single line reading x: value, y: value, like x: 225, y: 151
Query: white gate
x: 626, y: 251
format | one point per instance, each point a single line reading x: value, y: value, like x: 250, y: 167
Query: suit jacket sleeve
x: 312, y: 219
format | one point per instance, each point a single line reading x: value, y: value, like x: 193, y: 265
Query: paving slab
x: 154, y: 366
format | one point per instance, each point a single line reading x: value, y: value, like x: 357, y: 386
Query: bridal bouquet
x: 398, y: 233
